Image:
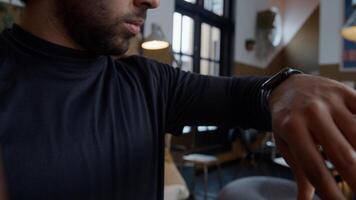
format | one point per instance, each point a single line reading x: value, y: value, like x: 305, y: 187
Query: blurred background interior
x: 232, y: 38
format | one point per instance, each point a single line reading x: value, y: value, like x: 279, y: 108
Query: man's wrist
x: 268, y: 86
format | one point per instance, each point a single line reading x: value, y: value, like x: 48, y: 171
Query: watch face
x: 275, y: 36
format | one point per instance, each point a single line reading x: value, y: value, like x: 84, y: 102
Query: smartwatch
x: 269, y: 85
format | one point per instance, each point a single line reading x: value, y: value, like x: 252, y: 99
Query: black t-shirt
x: 79, y: 126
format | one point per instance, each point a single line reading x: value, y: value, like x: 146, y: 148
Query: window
x: 202, y: 40
x: 202, y: 36
x: 183, y: 43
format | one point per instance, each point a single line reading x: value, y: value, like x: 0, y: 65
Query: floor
x: 233, y: 171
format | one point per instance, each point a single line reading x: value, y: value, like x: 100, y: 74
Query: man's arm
x: 306, y: 111
x: 203, y: 100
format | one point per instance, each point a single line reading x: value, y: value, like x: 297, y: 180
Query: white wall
x: 331, y: 21
x: 294, y: 14
x: 163, y: 16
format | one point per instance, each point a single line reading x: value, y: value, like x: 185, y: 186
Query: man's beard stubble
x: 88, y: 24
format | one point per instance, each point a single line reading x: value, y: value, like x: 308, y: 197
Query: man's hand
x: 308, y: 111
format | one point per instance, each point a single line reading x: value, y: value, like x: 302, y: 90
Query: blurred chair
x: 255, y: 143
x: 205, y: 161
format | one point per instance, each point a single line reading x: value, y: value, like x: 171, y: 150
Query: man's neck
x: 40, y: 20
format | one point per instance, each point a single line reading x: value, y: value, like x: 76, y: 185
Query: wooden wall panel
x: 333, y: 72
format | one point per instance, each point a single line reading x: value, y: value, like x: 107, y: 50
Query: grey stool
x: 260, y: 188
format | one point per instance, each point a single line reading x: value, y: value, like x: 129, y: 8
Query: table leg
x: 205, y: 182
x: 219, y: 175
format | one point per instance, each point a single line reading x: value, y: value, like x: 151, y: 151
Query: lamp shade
x: 156, y: 40
x: 349, y: 29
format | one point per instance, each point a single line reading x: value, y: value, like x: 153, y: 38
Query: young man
x: 75, y: 124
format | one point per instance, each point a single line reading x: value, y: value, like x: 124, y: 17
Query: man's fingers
x: 303, y: 148
x: 350, y: 100
x: 346, y: 122
x: 336, y: 146
x: 305, y: 188
x: 314, y: 168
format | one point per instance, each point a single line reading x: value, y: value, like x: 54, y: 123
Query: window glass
x: 212, y: 128
x: 207, y: 128
x: 215, y: 44
x: 191, y: 1
x: 187, y: 129
x: 210, y: 42
x: 187, y: 63
x: 214, y: 68
x: 187, y: 35
x: 204, y: 67
x: 205, y: 40
x: 177, y: 61
x: 202, y: 128
x: 177, y: 31
x: 215, y: 6
x: 209, y: 67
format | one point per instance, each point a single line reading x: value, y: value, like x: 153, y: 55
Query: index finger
x: 305, y: 189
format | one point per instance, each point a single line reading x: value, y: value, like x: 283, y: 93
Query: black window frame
x: 225, y: 23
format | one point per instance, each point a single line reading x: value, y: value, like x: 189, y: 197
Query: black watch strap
x: 269, y: 85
